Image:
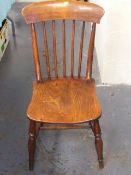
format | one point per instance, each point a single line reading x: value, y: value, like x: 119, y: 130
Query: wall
x: 113, y: 42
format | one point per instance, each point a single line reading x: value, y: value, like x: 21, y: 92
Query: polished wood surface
x: 64, y: 48
x: 32, y: 143
x: 46, y: 50
x: 90, y: 53
x: 64, y: 101
x: 54, y: 40
x: 72, y: 48
x: 53, y: 10
x: 54, y: 48
x: 62, y: 9
x: 81, y: 49
x: 35, y: 54
x: 98, y: 143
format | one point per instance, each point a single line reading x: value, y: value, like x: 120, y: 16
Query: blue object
x: 5, y: 6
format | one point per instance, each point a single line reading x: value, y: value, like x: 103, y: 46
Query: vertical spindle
x: 46, y: 50
x: 35, y: 54
x: 72, y: 48
x: 90, y: 52
x: 63, y: 48
x: 54, y: 48
x: 81, y: 49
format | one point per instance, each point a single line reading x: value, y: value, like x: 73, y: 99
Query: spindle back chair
x: 64, y: 100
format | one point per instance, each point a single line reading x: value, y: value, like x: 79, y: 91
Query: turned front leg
x: 32, y: 143
x: 98, y: 143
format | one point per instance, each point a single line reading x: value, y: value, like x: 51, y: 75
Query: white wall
x: 113, y: 42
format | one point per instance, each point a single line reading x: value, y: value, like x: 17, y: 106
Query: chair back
x: 63, y: 10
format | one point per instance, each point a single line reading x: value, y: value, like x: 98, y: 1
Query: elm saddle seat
x: 64, y: 101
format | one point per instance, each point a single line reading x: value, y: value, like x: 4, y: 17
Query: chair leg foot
x: 31, y: 165
x: 98, y: 143
x: 101, y: 164
x: 32, y: 143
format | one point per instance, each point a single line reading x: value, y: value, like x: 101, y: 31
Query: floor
x: 69, y: 152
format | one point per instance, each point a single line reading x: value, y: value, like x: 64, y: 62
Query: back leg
x: 32, y: 143
x: 91, y: 123
x: 38, y: 127
x: 98, y: 143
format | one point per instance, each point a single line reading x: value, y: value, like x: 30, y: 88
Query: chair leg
x: 38, y: 127
x: 98, y: 143
x: 92, y: 126
x: 32, y: 143
x: 41, y: 124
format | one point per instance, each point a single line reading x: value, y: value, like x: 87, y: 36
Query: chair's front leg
x: 98, y: 143
x: 32, y: 143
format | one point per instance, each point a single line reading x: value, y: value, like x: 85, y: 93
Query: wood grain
x: 98, y: 143
x: 62, y: 9
x: 54, y: 48
x: 35, y: 54
x: 46, y: 49
x: 32, y: 143
x: 72, y: 48
x: 90, y: 53
x: 68, y: 100
x: 64, y: 48
x: 81, y: 49
x: 64, y: 101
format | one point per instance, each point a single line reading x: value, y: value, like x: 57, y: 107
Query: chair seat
x: 64, y: 101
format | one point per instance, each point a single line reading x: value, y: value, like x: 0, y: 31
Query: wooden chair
x: 67, y: 100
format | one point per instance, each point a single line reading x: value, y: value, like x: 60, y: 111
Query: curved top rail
x: 62, y: 9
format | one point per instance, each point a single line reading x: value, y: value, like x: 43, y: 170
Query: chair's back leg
x: 98, y: 143
x: 32, y: 143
